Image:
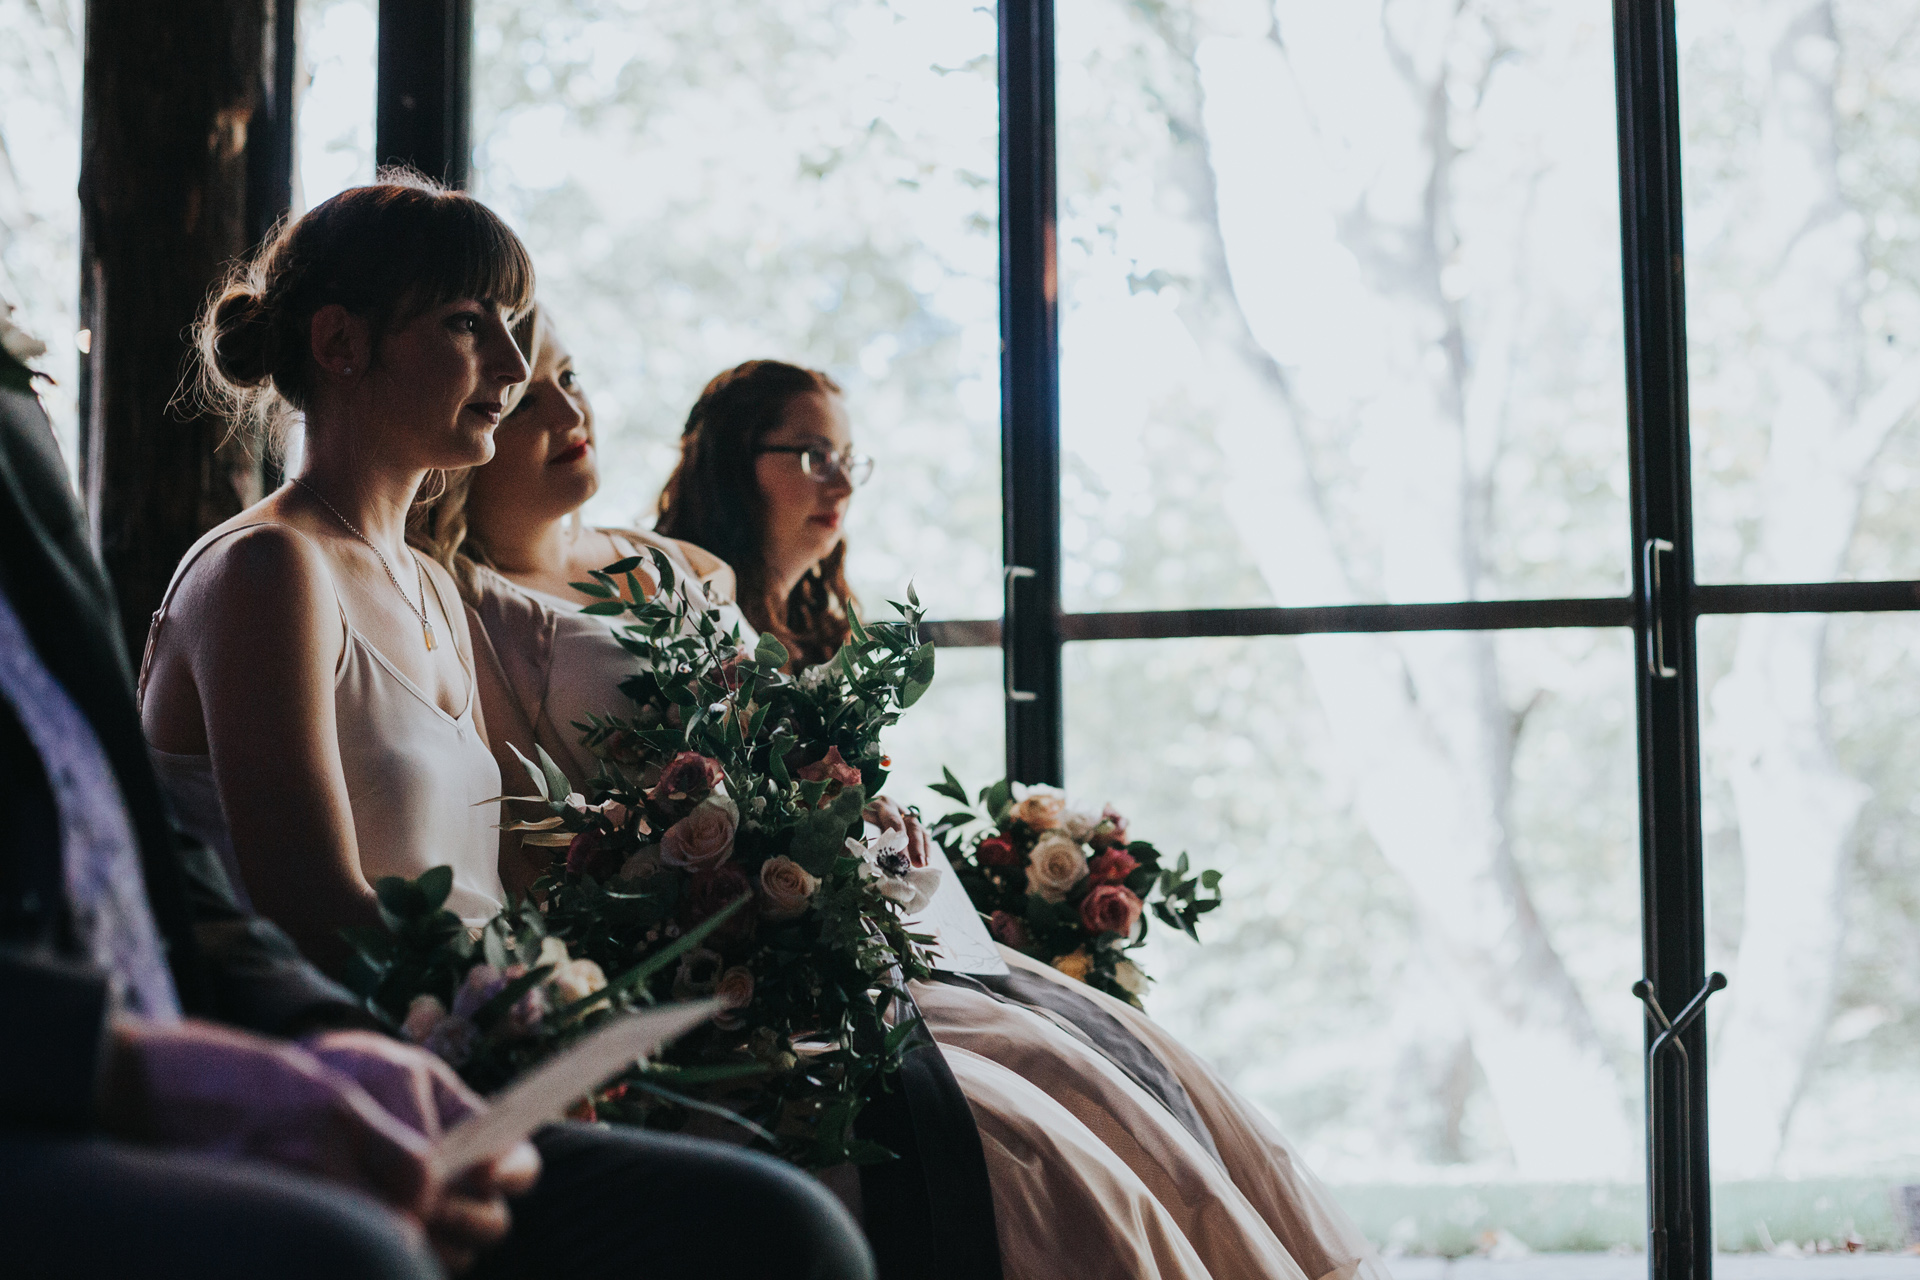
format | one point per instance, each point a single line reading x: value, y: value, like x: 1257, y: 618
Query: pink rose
x: 1009, y: 929
x: 832, y: 770
x: 736, y: 987
x: 1112, y: 831
x: 1111, y: 867
x: 997, y: 851
x: 1111, y: 908
x: 704, y: 838
x: 786, y: 888
x: 688, y: 777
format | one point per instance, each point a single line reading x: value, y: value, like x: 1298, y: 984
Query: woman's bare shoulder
x: 259, y: 575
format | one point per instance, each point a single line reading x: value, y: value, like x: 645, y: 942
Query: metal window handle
x: 1014, y: 572
x: 1676, y: 1219
x: 1654, y: 585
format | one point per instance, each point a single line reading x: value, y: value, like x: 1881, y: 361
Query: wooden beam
x: 423, y: 102
x: 185, y: 159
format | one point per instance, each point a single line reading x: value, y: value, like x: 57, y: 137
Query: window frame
x: 424, y: 105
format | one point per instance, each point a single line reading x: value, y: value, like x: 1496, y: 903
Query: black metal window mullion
x: 1030, y: 395
x: 1673, y: 901
x: 423, y: 114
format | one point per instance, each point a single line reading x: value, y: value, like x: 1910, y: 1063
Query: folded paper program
x: 544, y: 1094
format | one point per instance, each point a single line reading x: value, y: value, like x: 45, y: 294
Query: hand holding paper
x: 545, y: 1093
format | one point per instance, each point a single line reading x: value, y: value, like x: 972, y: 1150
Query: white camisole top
x: 418, y: 779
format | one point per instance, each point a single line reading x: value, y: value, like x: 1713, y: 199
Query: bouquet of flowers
x: 1067, y: 886
x: 718, y: 851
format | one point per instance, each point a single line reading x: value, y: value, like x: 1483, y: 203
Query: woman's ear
x: 341, y: 343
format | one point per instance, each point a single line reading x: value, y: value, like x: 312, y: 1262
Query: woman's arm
x: 263, y: 640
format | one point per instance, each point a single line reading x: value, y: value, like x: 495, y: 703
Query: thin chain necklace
x: 419, y: 610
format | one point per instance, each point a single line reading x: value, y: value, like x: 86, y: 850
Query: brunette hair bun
x: 385, y: 252
x: 241, y: 333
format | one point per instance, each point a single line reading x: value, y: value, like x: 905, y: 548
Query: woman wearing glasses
x: 766, y: 471
x: 767, y: 468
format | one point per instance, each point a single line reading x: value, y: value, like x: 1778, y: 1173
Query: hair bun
x: 242, y: 332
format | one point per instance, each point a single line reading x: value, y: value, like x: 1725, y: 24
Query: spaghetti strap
x: 179, y: 575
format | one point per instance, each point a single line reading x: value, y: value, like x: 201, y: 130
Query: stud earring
x: 347, y: 369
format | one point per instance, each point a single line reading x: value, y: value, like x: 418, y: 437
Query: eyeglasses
x: 821, y: 465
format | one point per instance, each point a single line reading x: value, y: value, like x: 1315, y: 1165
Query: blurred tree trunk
x: 1421, y: 719
x: 185, y: 160
x: 1795, y: 805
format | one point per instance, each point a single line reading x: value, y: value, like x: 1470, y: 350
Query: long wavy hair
x: 713, y: 500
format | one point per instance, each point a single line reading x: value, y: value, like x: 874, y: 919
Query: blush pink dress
x: 1092, y: 1176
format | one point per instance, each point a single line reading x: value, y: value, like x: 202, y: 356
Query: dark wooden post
x: 424, y: 95
x: 186, y: 159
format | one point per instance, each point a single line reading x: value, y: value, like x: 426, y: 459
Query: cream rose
x: 1079, y: 825
x: 1131, y: 977
x: 1056, y: 864
x: 1038, y: 808
x: 576, y: 980
x: 704, y: 838
x: 735, y: 988
x: 786, y: 888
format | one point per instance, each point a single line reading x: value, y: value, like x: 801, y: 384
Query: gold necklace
x: 419, y: 611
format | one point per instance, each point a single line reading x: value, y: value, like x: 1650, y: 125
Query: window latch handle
x: 1014, y: 572
x: 1654, y: 584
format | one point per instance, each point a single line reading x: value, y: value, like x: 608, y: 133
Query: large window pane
x: 1812, y: 801
x: 39, y: 198
x: 333, y: 132
x: 1340, y: 302
x: 1431, y: 856
x: 960, y: 724
x: 811, y: 180
x: 1802, y: 131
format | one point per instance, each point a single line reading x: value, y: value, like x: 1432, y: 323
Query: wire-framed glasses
x: 821, y: 465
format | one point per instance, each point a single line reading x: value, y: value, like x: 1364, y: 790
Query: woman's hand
x: 888, y: 816
x: 351, y: 1106
x: 469, y: 1214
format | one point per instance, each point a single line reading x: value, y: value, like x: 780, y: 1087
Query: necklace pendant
x: 427, y: 629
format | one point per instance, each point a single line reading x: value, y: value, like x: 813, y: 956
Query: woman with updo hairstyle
x: 765, y: 474
x: 309, y: 699
x: 308, y: 692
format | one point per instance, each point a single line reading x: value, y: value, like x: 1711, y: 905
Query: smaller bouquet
x: 1067, y: 886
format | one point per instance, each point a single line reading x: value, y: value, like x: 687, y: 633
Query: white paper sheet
x: 961, y: 941
x: 544, y: 1094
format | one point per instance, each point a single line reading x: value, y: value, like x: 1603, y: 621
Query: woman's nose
x: 502, y: 355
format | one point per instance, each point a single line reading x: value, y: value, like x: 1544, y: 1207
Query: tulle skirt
x: 1093, y: 1176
